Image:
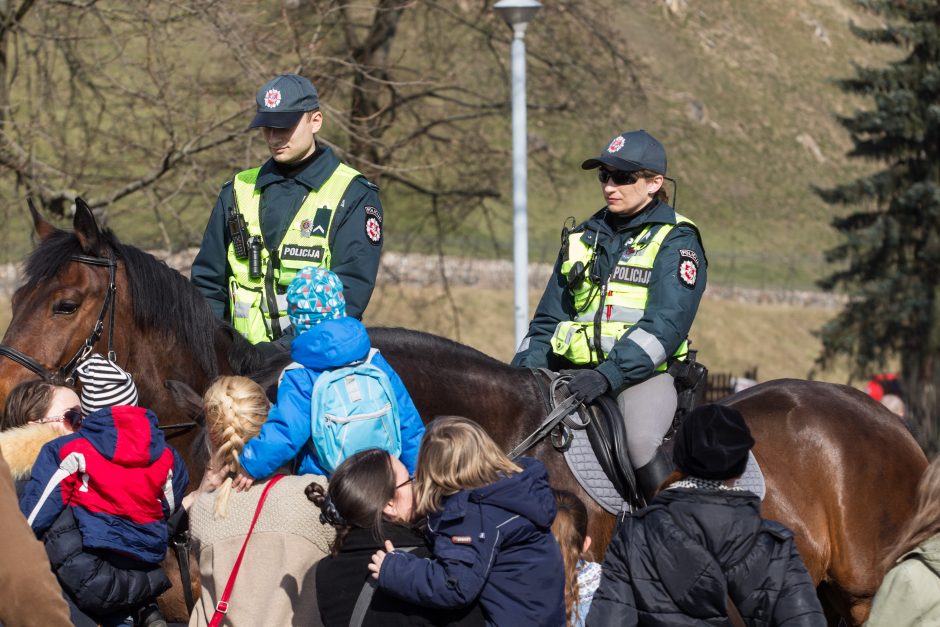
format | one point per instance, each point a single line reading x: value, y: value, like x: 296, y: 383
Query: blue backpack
x: 353, y: 408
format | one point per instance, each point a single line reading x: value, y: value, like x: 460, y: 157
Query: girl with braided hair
x: 274, y: 585
x: 582, y: 577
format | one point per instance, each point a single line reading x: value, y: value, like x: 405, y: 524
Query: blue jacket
x: 286, y: 434
x: 120, y: 477
x: 493, y: 543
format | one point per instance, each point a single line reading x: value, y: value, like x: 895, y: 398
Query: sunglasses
x: 73, y: 416
x: 404, y: 483
x: 617, y: 176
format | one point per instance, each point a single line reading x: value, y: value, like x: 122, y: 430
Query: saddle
x: 606, y: 431
x: 604, y: 426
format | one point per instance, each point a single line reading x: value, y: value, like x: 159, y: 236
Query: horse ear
x: 86, y: 228
x: 44, y: 229
x: 186, y: 399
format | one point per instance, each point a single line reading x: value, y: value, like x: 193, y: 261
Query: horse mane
x: 421, y: 343
x: 162, y: 298
x: 262, y: 366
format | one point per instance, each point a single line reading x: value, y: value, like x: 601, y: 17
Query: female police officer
x: 622, y: 298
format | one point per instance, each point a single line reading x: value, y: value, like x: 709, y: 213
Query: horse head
x: 84, y: 291
x: 65, y: 304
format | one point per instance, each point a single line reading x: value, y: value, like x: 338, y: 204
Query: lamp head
x: 517, y: 13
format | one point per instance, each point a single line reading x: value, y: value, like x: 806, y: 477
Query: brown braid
x: 570, y: 530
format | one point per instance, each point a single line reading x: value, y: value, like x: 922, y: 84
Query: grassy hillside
x: 730, y: 336
x: 742, y: 95
x: 740, y: 91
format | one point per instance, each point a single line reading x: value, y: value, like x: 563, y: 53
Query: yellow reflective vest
x: 258, y: 307
x: 607, y: 311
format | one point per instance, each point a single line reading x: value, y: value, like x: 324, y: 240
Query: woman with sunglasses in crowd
x: 100, y: 497
x: 622, y: 298
x: 39, y: 412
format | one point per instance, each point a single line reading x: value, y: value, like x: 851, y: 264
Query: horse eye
x: 64, y: 307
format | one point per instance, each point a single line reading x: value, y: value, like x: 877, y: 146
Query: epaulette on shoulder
x: 369, y: 184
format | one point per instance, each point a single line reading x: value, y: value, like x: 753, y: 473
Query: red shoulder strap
x: 222, y: 607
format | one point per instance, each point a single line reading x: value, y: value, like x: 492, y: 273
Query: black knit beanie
x: 713, y: 443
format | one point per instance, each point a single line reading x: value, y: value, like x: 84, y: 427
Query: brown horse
x: 841, y: 470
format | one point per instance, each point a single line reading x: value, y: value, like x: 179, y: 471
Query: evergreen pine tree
x: 889, y: 262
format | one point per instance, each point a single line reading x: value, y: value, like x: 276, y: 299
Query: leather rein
x: 562, y: 416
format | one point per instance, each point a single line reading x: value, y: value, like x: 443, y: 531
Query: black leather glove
x: 587, y: 385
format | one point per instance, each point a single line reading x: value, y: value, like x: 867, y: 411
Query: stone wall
x: 430, y: 270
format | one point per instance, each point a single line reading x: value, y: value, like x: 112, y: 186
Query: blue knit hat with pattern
x: 313, y: 296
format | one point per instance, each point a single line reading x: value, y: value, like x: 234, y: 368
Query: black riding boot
x: 652, y: 475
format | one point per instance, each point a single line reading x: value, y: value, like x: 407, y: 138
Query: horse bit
x: 66, y: 374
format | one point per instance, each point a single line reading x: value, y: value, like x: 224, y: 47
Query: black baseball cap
x: 283, y: 99
x: 631, y: 151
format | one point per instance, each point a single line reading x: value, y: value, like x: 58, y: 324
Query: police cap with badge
x: 630, y: 152
x: 283, y: 100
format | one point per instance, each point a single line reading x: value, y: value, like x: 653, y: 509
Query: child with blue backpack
x: 339, y: 397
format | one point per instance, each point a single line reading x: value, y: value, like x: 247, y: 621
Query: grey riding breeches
x: 648, y: 409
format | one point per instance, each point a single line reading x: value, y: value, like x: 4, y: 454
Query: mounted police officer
x: 303, y: 207
x: 622, y: 298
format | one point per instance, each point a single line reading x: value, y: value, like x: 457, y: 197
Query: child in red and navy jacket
x: 119, y: 480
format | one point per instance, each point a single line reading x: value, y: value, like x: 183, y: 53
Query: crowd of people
x: 466, y: 536
x: 337, y: 506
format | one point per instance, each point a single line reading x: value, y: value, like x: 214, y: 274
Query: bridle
x: 66, y: 373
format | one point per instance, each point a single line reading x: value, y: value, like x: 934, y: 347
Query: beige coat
x: 276, y: 584
x: 29, y: 592
x: 21, y: 446
x: 910, y: 592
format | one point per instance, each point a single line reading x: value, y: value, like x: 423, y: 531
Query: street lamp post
x: 518, y: 14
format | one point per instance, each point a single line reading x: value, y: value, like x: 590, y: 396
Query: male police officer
x: 303, y: 207
x: 624, y: 292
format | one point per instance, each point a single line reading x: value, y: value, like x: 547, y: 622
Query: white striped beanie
x: 104, y: 384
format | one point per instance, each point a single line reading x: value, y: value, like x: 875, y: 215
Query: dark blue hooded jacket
x: 286, y: 434
x: 493, y: 543
x: 120, y: 477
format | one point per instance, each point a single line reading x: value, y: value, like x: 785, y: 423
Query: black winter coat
x: 340, y: 580
x: 93, y: 583
x: 675, y: 562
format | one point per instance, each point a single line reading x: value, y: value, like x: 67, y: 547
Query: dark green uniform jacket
x: 671, y: 306
x: 355, y: 254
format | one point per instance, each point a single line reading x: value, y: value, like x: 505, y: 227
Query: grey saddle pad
x: 583, y: 464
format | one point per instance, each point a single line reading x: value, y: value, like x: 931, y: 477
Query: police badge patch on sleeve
x: 688, y: 268
x: 373, y: 230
